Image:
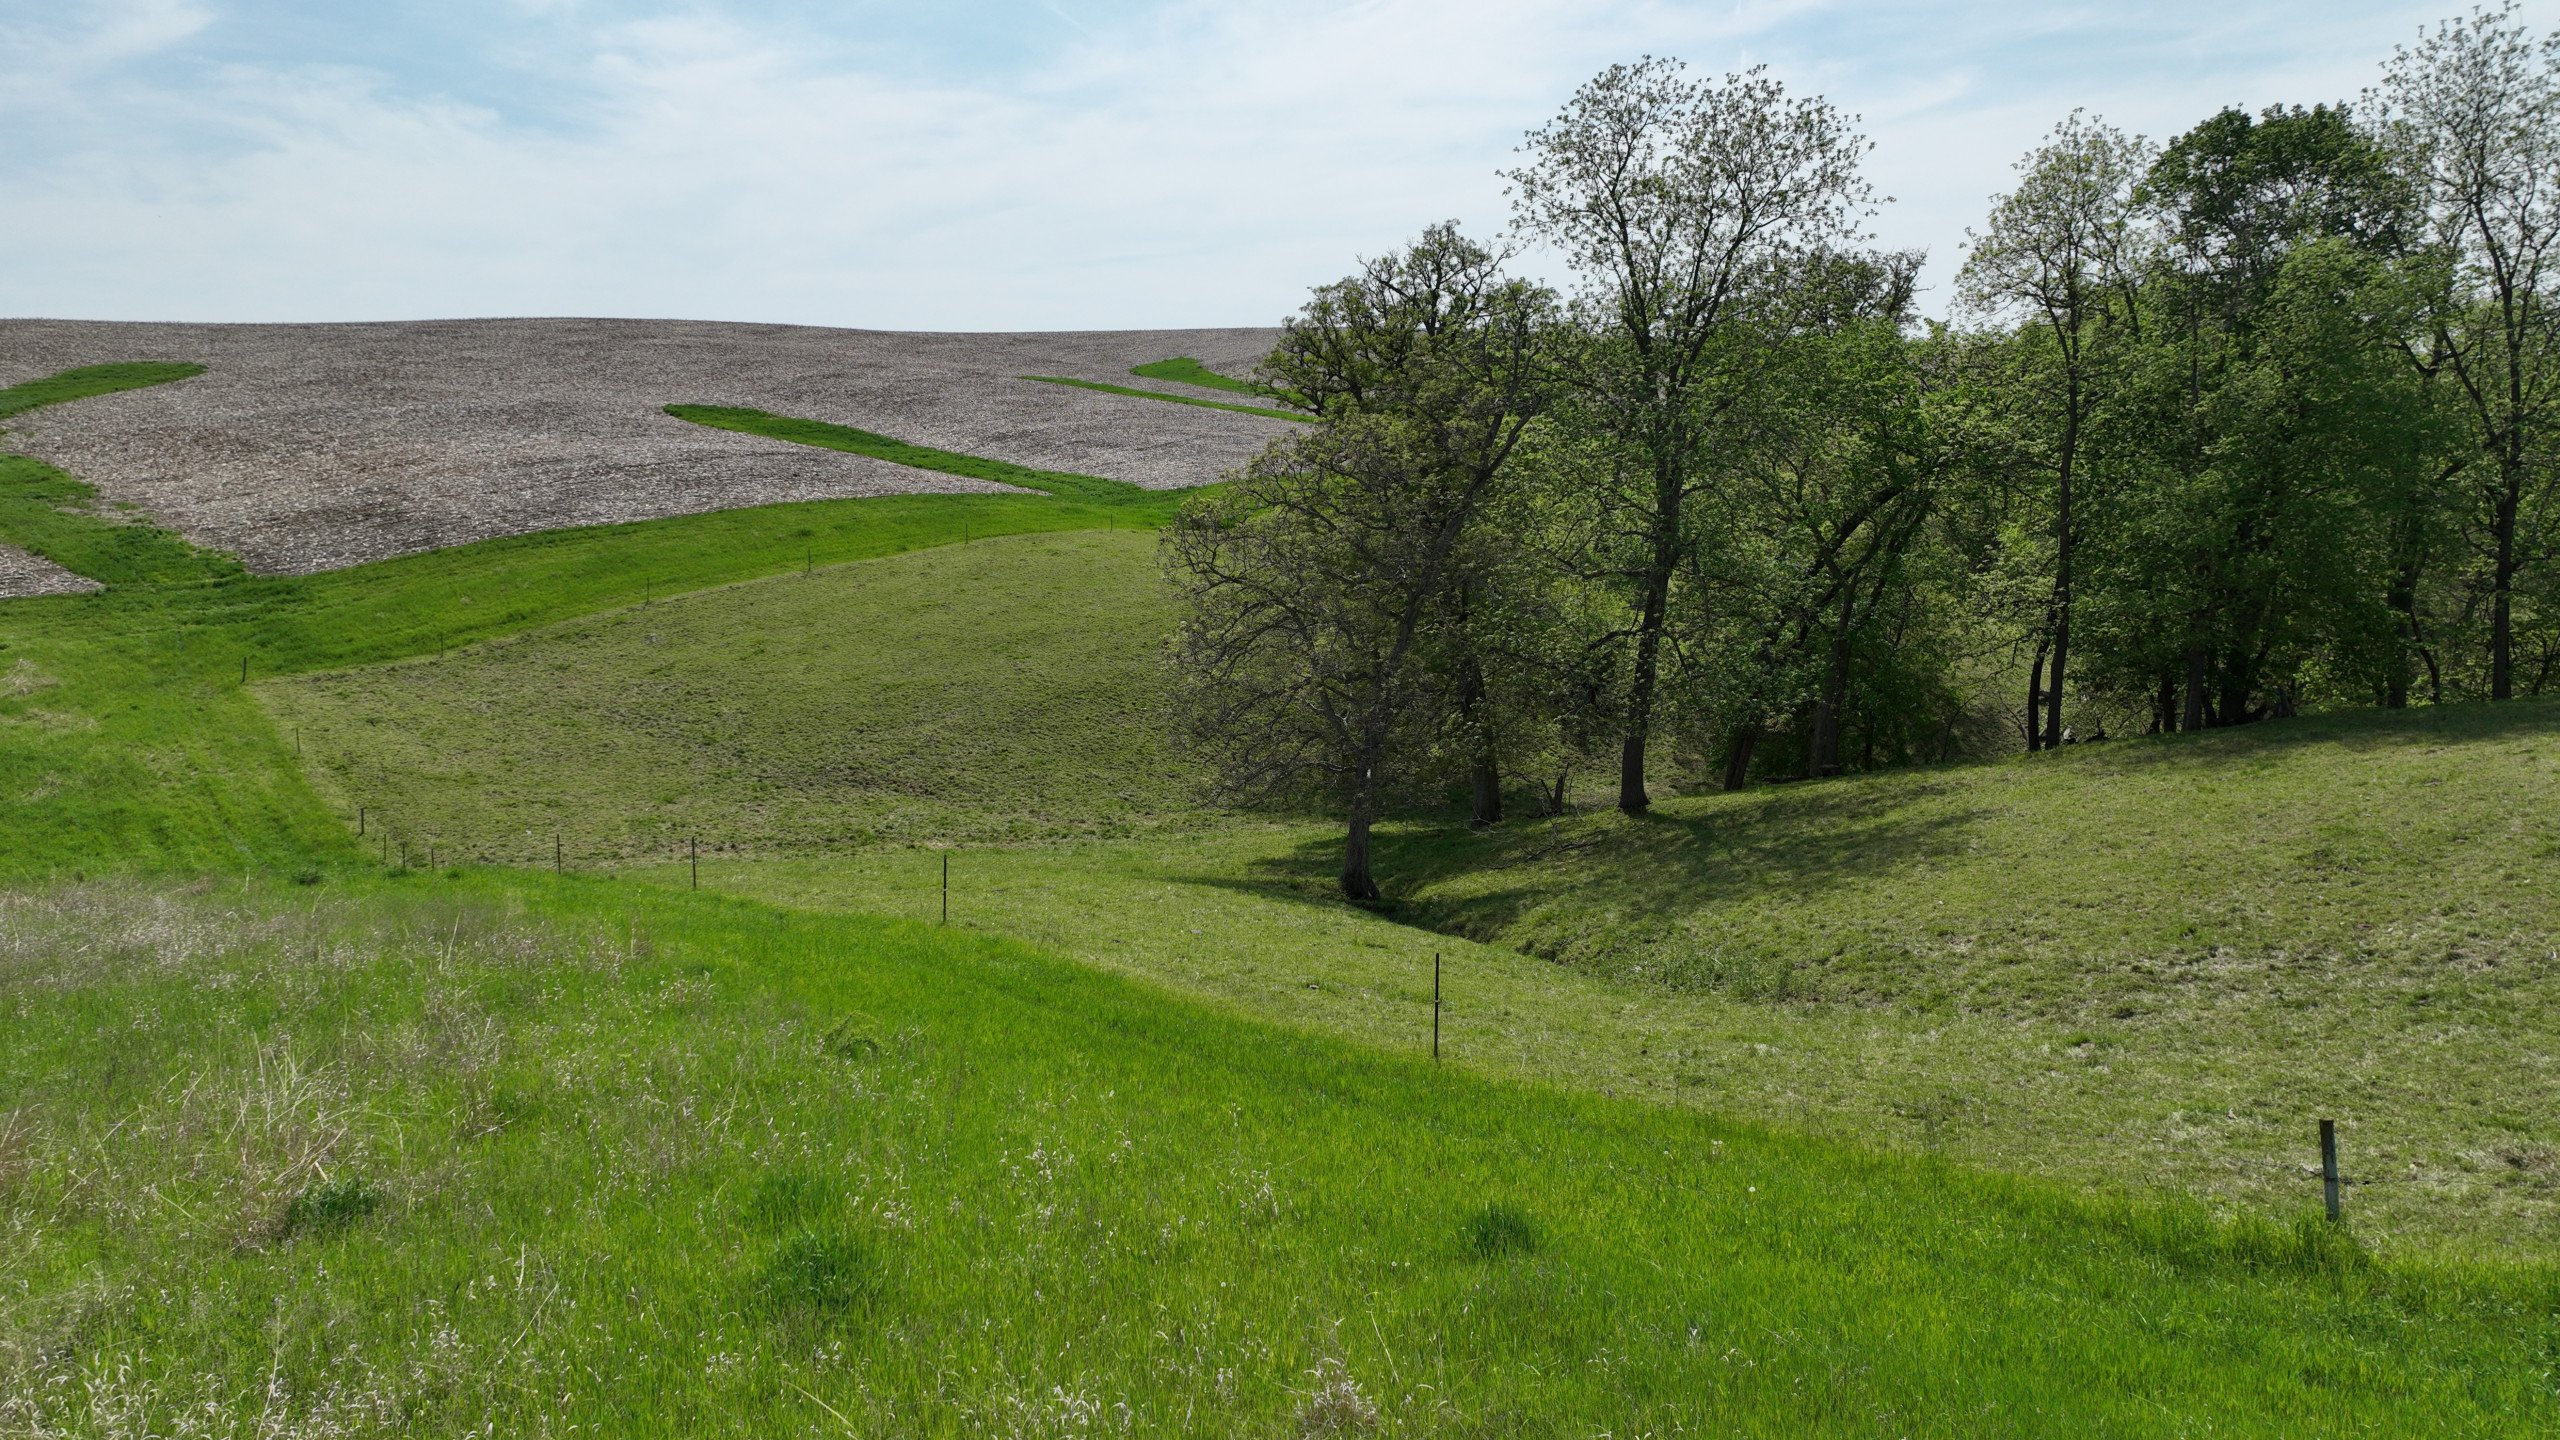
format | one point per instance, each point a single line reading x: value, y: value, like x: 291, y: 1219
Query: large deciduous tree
x: 2474, y: 112
x: 1675, y: 201
x: 2061, y: 254
x: 1315, y: 584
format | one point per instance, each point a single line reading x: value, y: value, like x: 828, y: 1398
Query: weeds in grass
x: 820, y: 1270
x: 331, y: 1204
x: 1498, y: 1230
x: 1333, y: 1403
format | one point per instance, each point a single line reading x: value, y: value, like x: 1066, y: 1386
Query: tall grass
x: 436, y: 1153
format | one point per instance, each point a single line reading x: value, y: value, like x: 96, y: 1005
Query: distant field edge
x: 825, y: 435
x: 1109, y: 389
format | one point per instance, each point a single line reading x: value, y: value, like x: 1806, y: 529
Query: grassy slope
x: 1003, y: 690
x: 2150, y: 963
x: 433, y: 1154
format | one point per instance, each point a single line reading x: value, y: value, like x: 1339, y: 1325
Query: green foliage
x: 1312, y: 592
x: 1176, y: 399
x: 827, y: 436
x: 90, y: 380
x: 1057, y: 1185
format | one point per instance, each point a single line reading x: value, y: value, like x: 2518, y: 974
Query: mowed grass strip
x: 827, y: 436
x: 494, y: 1152
x: 50, y: 514
x: 89, y: 380
x: 1184, y: 370
x: 1110, y: 389
x: 1002, y: 691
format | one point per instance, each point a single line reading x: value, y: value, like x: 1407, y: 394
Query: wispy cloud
x: 1192, y: 162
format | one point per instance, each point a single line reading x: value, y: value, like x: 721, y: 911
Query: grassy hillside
x: 423, y: 1155
x: 2149, y: 964
x: 2099, y: 884
x: 129, y: 741
x: 1004, y: 690
x: 295, y: 1145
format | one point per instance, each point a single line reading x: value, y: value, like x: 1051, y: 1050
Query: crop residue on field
x: 312, y: 447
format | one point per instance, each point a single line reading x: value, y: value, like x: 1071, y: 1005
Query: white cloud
x: 1198, y: 164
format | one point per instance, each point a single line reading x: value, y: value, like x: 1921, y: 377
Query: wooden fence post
x: 2329, y: 1167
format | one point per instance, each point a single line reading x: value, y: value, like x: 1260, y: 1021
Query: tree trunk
x: 1631, y: 795
x: 1484, y: 774
x: 2194, y: 717
x: 2502, y: 640
x: 2403, y: 600
x: 1737, y: 757
x: 2035, y: 700
x: 1357, y: 883
x: 1656, y: 608
x: 1822, y: 757
x: 2164, y: 706
x: 2062, y: 572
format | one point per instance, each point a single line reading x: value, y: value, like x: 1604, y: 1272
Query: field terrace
x: 312, y: 447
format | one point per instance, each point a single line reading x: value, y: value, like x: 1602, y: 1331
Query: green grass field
x: 2149, y: 964
x: 295, y: 1144
x: 425, y: 1155
x: 1004, y: 690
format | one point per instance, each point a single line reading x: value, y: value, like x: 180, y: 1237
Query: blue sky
x: 1022, y: 164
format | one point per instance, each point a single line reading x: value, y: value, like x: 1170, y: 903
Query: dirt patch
x: 23, y: 575
x: 310, y: 447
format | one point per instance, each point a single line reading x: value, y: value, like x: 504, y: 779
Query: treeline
x: 2252, y: 422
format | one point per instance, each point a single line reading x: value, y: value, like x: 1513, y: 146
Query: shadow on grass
x: 1773, y: 846
x: 1445, y: 876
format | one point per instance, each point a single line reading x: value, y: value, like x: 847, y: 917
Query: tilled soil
x: 310, y: 447
x: 22, y: 575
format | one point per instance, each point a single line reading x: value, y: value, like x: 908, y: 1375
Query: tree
x: 2267, y: 429
x: 2474, y: 113
x: 1314, y: 583
x: 1676, y: 202
x: 2060, y: 251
